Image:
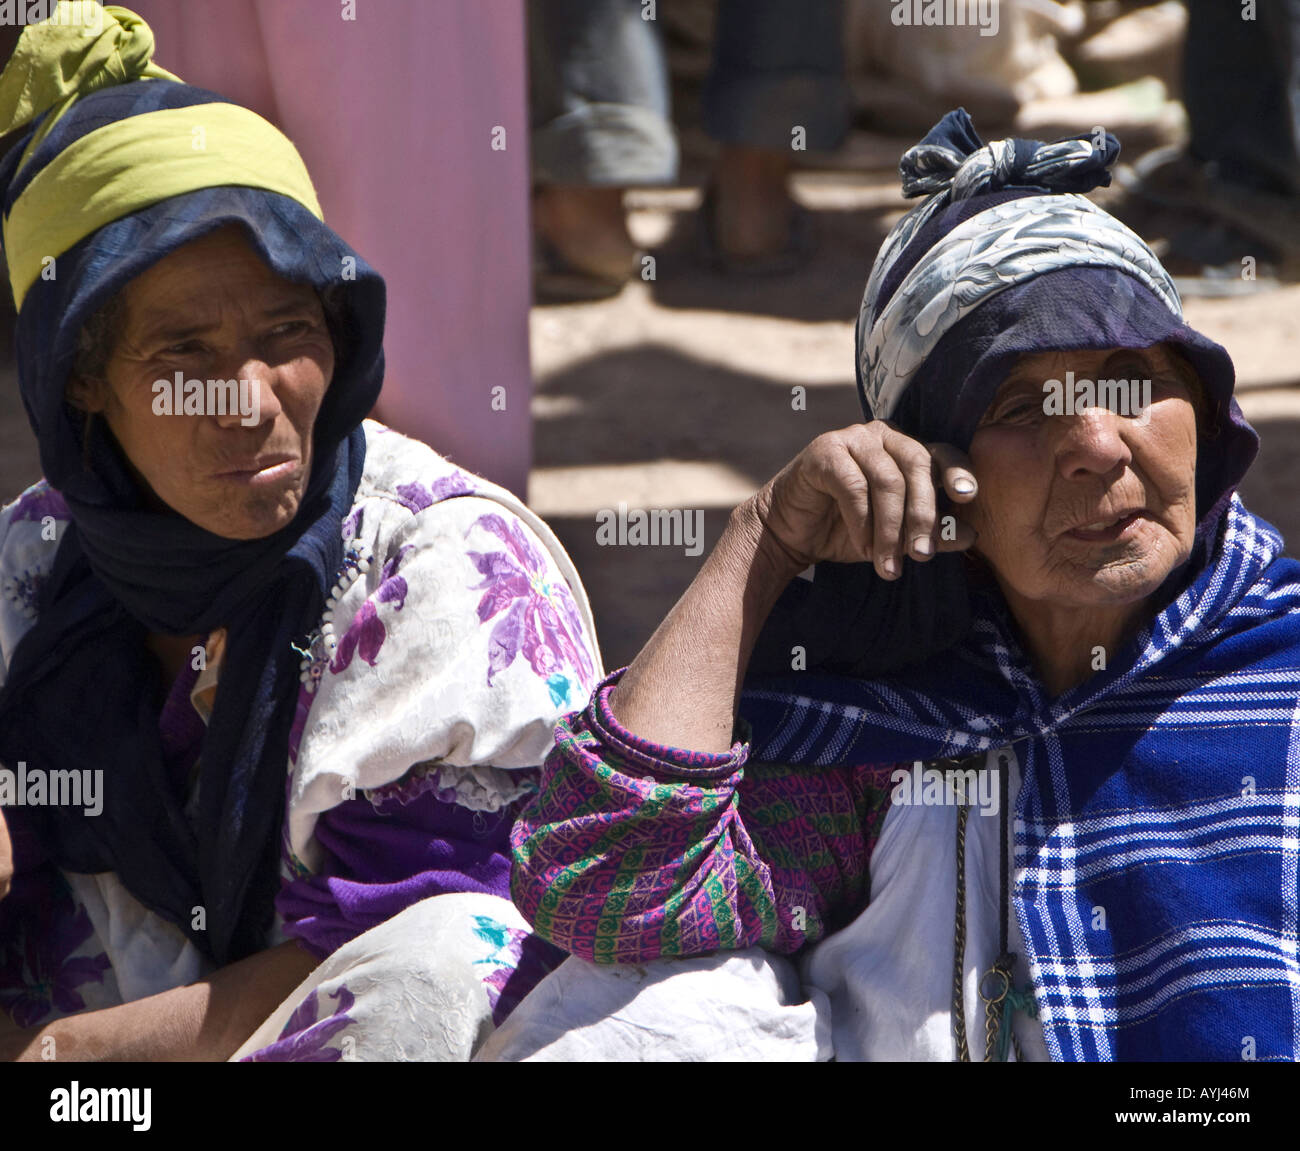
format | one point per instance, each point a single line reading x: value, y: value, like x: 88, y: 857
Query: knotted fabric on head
x: 1003, y: 259
x: 124, y: 165
x: 82, y: 47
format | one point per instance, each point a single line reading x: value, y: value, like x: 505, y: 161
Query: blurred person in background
x: 1234, y: 191
x: 600, y: 114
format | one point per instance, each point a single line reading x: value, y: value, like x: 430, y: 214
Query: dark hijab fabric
x: 847, y: 619
x: 82, y: 691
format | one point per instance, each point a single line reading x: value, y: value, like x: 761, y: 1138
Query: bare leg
x: 752, y: 204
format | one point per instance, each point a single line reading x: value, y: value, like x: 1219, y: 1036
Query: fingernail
x: 890, y: 566
x: 963, y: 486
x: 922, y: 546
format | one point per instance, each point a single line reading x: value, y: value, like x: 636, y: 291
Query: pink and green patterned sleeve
x: 633, y: 851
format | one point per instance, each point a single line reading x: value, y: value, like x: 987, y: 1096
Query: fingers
x: 870, y: 492
x: 953, y: 470
x: 905, y: 519
x: 901, y: 498
x: 955, y: 535
x: 887, y: 493
x: 951, y: 467
x: 854, y: 503
x: 921, y: 517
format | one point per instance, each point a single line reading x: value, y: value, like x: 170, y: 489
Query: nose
x: 258, y: 402
x: 1091, y: 442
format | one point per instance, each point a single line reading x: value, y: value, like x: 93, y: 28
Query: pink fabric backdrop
x: 394, y: 114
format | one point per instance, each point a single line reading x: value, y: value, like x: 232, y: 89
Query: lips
x: 254, y: 466
x: 248, y: 469
x: 1106, y: 529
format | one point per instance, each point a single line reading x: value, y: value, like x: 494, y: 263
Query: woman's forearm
x: 683, y: 688
x: 207, y: 1020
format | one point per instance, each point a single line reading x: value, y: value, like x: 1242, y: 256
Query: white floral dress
x: 459, y: 632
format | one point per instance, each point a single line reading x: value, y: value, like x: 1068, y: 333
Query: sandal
x: 557, y: 281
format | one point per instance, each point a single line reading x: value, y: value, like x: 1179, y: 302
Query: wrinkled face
x: 212, y: 311
x: 1094, y: 508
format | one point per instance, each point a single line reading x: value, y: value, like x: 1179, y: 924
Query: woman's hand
x: 207, y: 1020
x: 6, y: 858
x: 857, y: 494
x: 867, y: 493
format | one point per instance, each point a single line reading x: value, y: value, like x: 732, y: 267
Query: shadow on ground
x: 653, y: 402
x: 631, y: 588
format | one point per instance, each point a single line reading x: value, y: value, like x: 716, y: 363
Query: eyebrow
x: 174, y: 329
x: 1019, y: 383
x: 1143, y: 356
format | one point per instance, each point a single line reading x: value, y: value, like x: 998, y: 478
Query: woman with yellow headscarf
x: 273, y: 680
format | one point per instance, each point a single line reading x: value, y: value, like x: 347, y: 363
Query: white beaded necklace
x: 322, y: 644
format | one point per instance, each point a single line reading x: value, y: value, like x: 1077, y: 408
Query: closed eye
x: 293, y: 328
x: 1018, y: 410
x: 185, y: 348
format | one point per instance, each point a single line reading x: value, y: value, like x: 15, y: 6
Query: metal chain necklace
x: 995, y: 985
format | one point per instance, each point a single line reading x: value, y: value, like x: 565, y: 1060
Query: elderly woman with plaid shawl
x: 1013, y: 771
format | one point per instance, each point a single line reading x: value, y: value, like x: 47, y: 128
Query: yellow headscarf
x: 132, y: 163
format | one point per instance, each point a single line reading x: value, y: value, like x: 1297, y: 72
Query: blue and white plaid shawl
x: 1157, y: 830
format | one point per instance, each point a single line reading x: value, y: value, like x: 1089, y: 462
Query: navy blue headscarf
x: 1003, y: 259
x: 82, y: 691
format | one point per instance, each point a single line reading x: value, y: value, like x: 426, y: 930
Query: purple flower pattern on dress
x: 538, y: 618
x: 416, y: 497
x: 506, y: 944
x: 38, y: 502
x: 42, y: 974
x: 352, y: 524
x: 366, y: 633
x: 24, y: 591
x: 304, y: 1039
x: 517, y: 960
